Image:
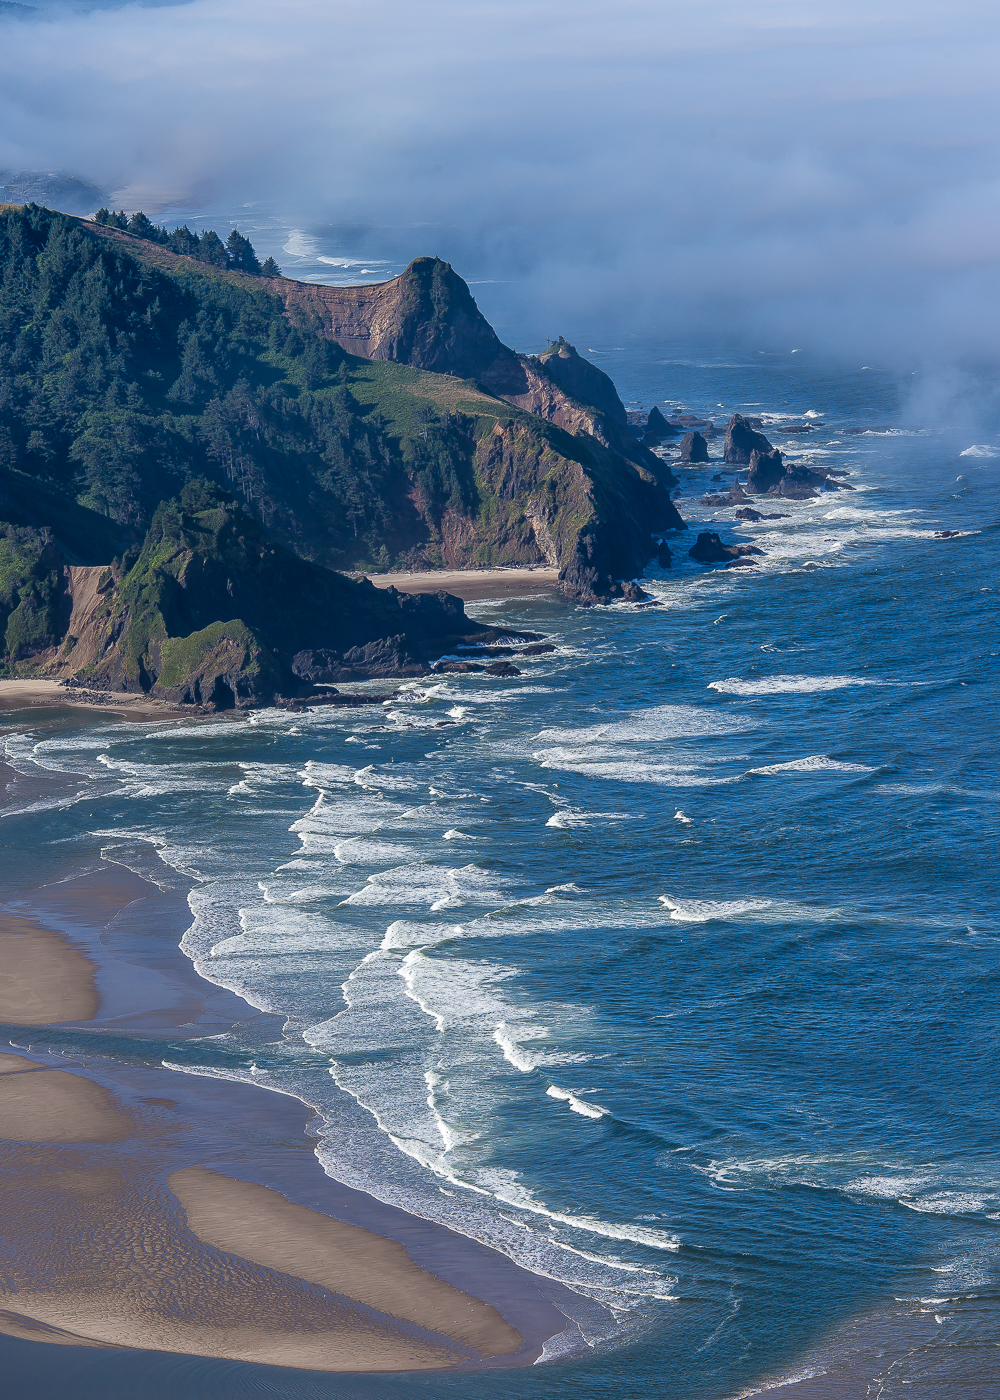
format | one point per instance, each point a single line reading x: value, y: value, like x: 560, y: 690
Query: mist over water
x: 810, y: 175
x: 668, y: 968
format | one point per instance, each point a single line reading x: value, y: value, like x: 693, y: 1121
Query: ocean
x: 669, y: 968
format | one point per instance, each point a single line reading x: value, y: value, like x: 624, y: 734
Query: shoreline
x: 225, y: 1171
x: 35, y: 692
x: 472, y: 585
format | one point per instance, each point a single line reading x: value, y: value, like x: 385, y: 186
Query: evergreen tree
x: 182, y: 240
x: 269, y: 268
x: 211, y: 249
x: 241, y: 253
x: 143, y: 227
x: 110, y: 219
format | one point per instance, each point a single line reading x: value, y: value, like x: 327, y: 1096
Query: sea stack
x: 657, y: 426
x: 766, y: 471
x: 694, y: 448
x: 741, y: 440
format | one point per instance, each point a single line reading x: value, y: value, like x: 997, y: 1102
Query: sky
x: 799, y: 172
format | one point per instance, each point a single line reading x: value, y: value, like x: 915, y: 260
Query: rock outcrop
x: 657, y: 426
x: 766, y: 471
x: 742, y: 439
x: 709, y: 549
x: 213, y: 612
x: 694, y: 448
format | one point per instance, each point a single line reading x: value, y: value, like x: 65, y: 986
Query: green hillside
x: 128, y: 370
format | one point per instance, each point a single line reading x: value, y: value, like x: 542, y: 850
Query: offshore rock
x: 658, y: 427
x: 709, y: 549
x: 741, y: 440
x: 694, y: 448
x: 766, y: 471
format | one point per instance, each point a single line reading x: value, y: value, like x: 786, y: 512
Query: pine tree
x: 241, y: 253
x: 269, y: 268
x: 211, y: 249
x: 182, y: 240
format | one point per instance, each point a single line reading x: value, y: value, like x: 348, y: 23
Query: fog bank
x: 805, y: 174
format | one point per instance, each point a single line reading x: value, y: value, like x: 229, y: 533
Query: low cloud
x: 800, y: 174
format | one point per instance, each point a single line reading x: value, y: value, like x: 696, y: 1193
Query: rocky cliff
x: 129, y: 371
x: 214, y: 612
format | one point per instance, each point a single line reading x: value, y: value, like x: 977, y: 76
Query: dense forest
x: 119, y: 383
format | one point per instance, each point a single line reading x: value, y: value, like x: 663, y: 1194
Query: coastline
x: 472, y: 585
x: 170, y: 1207
x: 36, y: 692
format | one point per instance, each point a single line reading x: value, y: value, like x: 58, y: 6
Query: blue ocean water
x: 670, y: 968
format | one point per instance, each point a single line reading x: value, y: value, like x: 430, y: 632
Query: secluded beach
x: 472, y: 584
x: 145, y: 1208
x: 28, y: 694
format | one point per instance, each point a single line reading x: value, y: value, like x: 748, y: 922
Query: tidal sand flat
x: 43, y: 977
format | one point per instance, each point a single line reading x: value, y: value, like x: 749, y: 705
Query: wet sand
x: 43, y: 977
x: 150, y: 1209
x: 29, y: 694
x: 472, y: 584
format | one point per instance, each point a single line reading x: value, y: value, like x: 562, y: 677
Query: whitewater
x: 669, y: 968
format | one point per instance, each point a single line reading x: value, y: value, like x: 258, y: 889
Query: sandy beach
x: 472, y: 584
x: 132, y: 1218
x: 25, y: 694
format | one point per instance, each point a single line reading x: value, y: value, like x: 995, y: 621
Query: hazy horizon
x: 805, y: 175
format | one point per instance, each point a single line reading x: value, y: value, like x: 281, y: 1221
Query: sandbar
x: 150, y: 1211
x: 98, y: 1250
x: 44, y: 979
x: 52, y: 1105
x: 472, y: 584
x: 260, y: 1224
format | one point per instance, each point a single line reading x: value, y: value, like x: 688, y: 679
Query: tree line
x: 237, y: 252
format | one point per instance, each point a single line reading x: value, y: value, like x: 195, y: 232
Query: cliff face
x: 214, y: 612
x: 427, y: 319
x: 129, y: 372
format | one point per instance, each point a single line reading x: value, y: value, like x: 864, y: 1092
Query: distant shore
x: 151, y: 1209
x: 472, y: 585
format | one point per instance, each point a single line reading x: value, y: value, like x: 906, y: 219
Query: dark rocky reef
x: 748, y: 513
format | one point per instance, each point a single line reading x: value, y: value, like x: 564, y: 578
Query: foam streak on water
x: 670, y: 968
